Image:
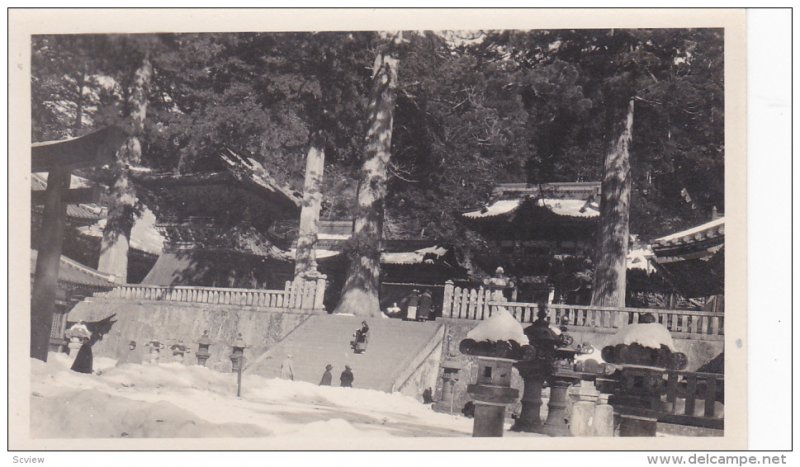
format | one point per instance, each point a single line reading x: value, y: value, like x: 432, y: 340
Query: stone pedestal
x: 533, y: 375
x: 603, y: 417
x: 583, y: 410
x: 492, y: 393
x: 557, y: 423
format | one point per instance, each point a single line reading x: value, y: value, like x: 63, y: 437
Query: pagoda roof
x: 709, y: 230
x: 75, y: 211
x: 244, y: 172
x: 73, y: 272
x: 561, y: 190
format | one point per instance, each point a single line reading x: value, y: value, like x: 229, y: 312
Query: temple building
x: 219, y: 224
x: 543, y: 237
x: 693, y: 261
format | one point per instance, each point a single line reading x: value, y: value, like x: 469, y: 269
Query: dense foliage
x: 533, y: 106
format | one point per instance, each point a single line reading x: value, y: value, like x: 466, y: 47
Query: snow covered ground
x: 177, y: 401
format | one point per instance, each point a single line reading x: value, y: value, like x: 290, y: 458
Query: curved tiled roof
x: 703, y: 232
x: 73, y: 272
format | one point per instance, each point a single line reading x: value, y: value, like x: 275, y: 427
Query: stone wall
x: 168, y: 322
x: 425, y: 376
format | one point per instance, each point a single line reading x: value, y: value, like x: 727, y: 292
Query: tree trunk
x: 360, y: 292
x: 305, y: 261
x: 610, y: 262
x: 122, y: 206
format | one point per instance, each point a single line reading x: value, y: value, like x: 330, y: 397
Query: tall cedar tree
x: 360, y: 293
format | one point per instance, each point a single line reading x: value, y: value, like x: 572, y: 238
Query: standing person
x: 413, y: 301
x: 287, y: 371
x: 346, y: 379
x: 131, y: 356
x: 84, y: 360
x: 327, y: 377
x: 425, y: 304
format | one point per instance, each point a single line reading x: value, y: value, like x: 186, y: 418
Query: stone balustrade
x: 464, y: 303
x: 296, y: 295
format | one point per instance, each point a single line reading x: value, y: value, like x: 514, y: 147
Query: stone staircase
x: 393, y: 346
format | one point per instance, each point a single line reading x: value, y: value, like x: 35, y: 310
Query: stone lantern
x: 237, y: 355
x: 237, y: 361
x: 450, y: 370
x: 155, y: 350
x: 548, y: 358
x: 203, y: 352
x: 496, y: 344
x: 644, y: 351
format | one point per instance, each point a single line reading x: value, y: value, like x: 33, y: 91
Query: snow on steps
x: 394, y: 346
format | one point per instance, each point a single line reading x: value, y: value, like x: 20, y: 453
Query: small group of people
x: 345, y: 379
x: 420, y: 306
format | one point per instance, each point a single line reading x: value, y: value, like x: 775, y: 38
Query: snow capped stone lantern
x: 643, y: 351
x: 496, y: 342
x: 203, y: 352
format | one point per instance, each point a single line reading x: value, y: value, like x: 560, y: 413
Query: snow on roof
x: 639, y: 258
x: 570, y: 207
x: 500, y: 327
x: 331, y: 236
x: 39, y: 181
x: 321, y: 253
x: 503, y: 206
x: 144, y: 235
x: 412, y: 257
x: 717, y: 226
x: 651, y: 335
x: 559, y: 207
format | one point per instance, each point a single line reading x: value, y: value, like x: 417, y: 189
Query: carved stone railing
x: 296, y: 295
x: 464, y: 303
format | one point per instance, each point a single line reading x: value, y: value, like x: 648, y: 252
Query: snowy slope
x: 173, y: 400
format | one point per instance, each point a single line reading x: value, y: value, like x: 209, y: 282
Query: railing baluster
x: 672, y: 391
x: 691, y: 390
x: 711, y: 396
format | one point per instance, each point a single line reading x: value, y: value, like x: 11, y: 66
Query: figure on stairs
x: 327, y: 377
x: 359, y: 344
x: 346, y: 379
x: 287, y: 370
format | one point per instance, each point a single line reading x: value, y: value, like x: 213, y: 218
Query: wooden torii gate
x: 59, y: 159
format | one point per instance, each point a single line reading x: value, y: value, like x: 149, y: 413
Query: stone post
x: 603, y: 417
x: 447, y: 301
x: 583, y: 410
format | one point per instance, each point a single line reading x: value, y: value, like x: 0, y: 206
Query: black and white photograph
x: 371, y: 237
